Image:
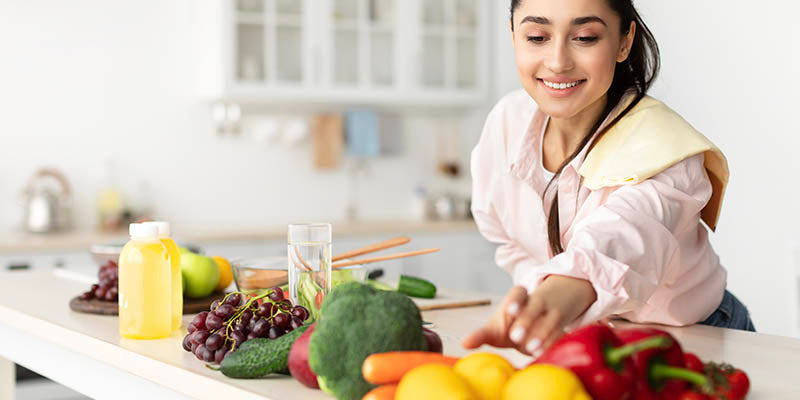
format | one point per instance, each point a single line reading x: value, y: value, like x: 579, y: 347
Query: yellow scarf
x: 648, y: 140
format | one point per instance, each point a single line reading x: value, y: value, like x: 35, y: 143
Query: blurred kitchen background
x: 232, y: 118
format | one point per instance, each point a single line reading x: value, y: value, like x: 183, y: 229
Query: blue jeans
x: 731, y: 313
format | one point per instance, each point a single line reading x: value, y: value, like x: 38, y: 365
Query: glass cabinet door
x: 270, y: 41
x: 363, y: 42
x: 449, y: 44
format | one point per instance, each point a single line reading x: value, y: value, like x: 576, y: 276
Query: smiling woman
x: 595, y: 191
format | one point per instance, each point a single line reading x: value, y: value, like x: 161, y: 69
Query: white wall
x: 85, y: 81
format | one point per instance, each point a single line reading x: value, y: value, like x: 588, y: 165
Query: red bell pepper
x: 661, y: 371
x: 724, y: 382
x: 600, y: 360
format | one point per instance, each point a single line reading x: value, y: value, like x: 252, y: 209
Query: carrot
x: 389, y: 367
x: 383, y: 392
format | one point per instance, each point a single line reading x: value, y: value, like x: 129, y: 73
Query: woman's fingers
x: 544, y: 332
x: 514, y: 301
x: 477, y: 338
x: 495, y: 332
x: 524, y: 322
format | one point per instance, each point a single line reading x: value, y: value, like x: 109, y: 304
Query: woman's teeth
x: 560, y: 85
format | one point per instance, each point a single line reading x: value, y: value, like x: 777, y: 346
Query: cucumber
x: 416, y: 287
x: 256, y: 358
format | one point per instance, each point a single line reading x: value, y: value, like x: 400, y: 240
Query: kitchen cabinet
x: 409, y: 52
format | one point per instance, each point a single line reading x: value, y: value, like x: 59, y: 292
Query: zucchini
x: 416, y: 287
x: 259, y: 357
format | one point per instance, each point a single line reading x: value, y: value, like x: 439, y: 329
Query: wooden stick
x: 384, y: 258
x: 372, y: 248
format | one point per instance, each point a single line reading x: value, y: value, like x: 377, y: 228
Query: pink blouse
x: 641, y: 246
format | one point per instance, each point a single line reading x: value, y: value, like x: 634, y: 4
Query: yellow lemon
x: 545, y: 382
x: 225, y: 273
x: 487, y: 373
x: 433, y: 382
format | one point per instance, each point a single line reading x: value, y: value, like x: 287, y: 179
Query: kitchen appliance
x: 47, y: 209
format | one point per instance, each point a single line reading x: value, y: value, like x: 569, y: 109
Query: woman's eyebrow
x: 576, y: 21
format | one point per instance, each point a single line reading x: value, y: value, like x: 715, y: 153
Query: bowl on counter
x: 257, y: 275
x: 103, y: 253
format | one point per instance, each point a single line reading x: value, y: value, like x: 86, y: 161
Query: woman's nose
x: 559, y: 58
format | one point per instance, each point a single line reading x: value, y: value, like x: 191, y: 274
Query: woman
x: 593, y: 190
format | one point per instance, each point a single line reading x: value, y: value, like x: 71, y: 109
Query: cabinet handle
x: 18, y: 266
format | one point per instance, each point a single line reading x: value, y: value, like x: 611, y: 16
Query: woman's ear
x: 626, y: 43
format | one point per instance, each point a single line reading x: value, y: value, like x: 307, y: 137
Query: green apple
x: 201, y: 273
x: 182, y: 250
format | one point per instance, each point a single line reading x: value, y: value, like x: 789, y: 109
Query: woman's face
x: 566, y: 52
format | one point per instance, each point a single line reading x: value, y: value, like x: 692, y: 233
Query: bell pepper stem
x: 615, y: 355
x: 659, y: 372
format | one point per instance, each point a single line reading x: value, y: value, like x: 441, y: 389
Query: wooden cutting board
x: 94, y: 306
x: 451, y: 298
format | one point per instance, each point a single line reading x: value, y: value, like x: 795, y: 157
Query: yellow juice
x: 145, y: 289
x: 177, y: 280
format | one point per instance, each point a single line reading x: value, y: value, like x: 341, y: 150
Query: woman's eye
x: 586, y: 39
x: 536, y: 39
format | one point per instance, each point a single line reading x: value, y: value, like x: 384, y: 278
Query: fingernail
x: 536, y: 354
x: 513, y: 308
x: 517, y: 334
x: 533, y: 345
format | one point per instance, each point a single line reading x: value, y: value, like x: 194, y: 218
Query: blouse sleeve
x: 625, y: 246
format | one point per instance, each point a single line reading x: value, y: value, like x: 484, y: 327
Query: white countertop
x: 22, y: 242
x: 86, y: 353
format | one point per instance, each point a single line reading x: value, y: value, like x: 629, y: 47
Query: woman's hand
x: 533, y: 322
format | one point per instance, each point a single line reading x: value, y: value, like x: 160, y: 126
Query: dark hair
x: 637, y: 72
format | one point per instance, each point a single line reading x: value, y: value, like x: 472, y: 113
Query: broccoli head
x: 357, y: 321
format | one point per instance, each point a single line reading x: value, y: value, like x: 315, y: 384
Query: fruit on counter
x: 487, y: 373
x: 433, y: 341
x: 435, y: 382
x: 260, y: 357
x: 202, y: 274
x: 225, y: 273
x: 416, y: 287
x: 358, y: 321
x: 298, y: 360
x: 107, y: 287
x: 383, y: 392
x: 544, y: 381
x: 390, y: 367
x: 236, y: 319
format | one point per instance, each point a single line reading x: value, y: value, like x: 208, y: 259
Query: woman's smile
x: 560, y: 87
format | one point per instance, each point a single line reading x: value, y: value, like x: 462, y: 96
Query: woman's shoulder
x: 514, y: 104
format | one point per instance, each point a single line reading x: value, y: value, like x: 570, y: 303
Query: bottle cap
x: 161, y: 226
x: 143, y: 231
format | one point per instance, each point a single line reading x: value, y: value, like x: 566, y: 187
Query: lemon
x: 487, y: 373
x: 225, y: 273
x: 433, y: 382
x: 545, y: 382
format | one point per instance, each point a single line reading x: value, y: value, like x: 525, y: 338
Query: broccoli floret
x: 357, y: 321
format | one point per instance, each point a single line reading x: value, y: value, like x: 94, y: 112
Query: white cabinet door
x: 404, y: 52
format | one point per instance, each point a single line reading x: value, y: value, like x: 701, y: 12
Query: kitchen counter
x: 85, y: 352
x: 21, y: 242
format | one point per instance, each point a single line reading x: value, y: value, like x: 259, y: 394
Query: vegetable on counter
x: 298, y: 360
x: 661, y: 371
x: 545, y: 381
x: 389, y: 367
x: 416, y: 287
x: 600, y: 359
x: 357, y: 321
x: 723, y: 382
x: 383, y: 392
x: 256, y: 358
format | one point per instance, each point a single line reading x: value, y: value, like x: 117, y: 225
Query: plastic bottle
x: 145, y: 286
x: 175, y: 268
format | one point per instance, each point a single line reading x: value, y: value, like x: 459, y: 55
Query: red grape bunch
x: 106, y: 289
x: 237, y: 318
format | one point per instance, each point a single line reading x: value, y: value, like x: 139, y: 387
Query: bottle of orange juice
x: 145, y: 286
x: 175, y: 268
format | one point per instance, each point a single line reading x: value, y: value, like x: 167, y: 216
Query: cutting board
x: 94, y: 306
x: 450, y: 298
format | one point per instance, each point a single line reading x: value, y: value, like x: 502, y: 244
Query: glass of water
x: 309, y: 254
